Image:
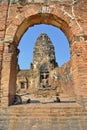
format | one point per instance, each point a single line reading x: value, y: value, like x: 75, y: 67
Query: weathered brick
x: 69, y: 16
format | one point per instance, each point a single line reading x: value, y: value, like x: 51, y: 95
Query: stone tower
x: 44, y: 54
x: 44, y: 59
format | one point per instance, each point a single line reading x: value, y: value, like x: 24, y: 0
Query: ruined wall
x: 44, y: 117
x: 66, y: 76
x: 60, y: 79
x: 30, y: 79
x: 3, y: 14
x: 71, y: 17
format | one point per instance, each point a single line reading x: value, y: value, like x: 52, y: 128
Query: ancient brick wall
x: 66, y: 76
x: 44, y: 117
x: 3, y: 14
x: 15, y: 18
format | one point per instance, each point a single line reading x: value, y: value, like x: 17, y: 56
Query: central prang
x: 44, y: 59
x: 44, y: 54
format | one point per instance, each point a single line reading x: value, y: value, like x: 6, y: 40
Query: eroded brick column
x: 82, y: 70
x: 8, y: 80
x: 79, y: 65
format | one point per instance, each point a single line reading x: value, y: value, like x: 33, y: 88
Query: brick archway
x: 43, y: 14
x: 29, y: 16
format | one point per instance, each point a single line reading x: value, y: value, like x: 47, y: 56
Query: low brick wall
x: 61, y: 116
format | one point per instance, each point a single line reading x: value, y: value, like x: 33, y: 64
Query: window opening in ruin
x: 44, y: 77
x: 22, y: 85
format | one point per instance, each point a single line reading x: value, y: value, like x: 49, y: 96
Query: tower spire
x: 44, y: 52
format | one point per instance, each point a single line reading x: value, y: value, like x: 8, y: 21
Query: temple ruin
x: 46, y: 78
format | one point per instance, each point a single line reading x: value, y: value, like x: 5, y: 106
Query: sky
x: 27, y: 42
